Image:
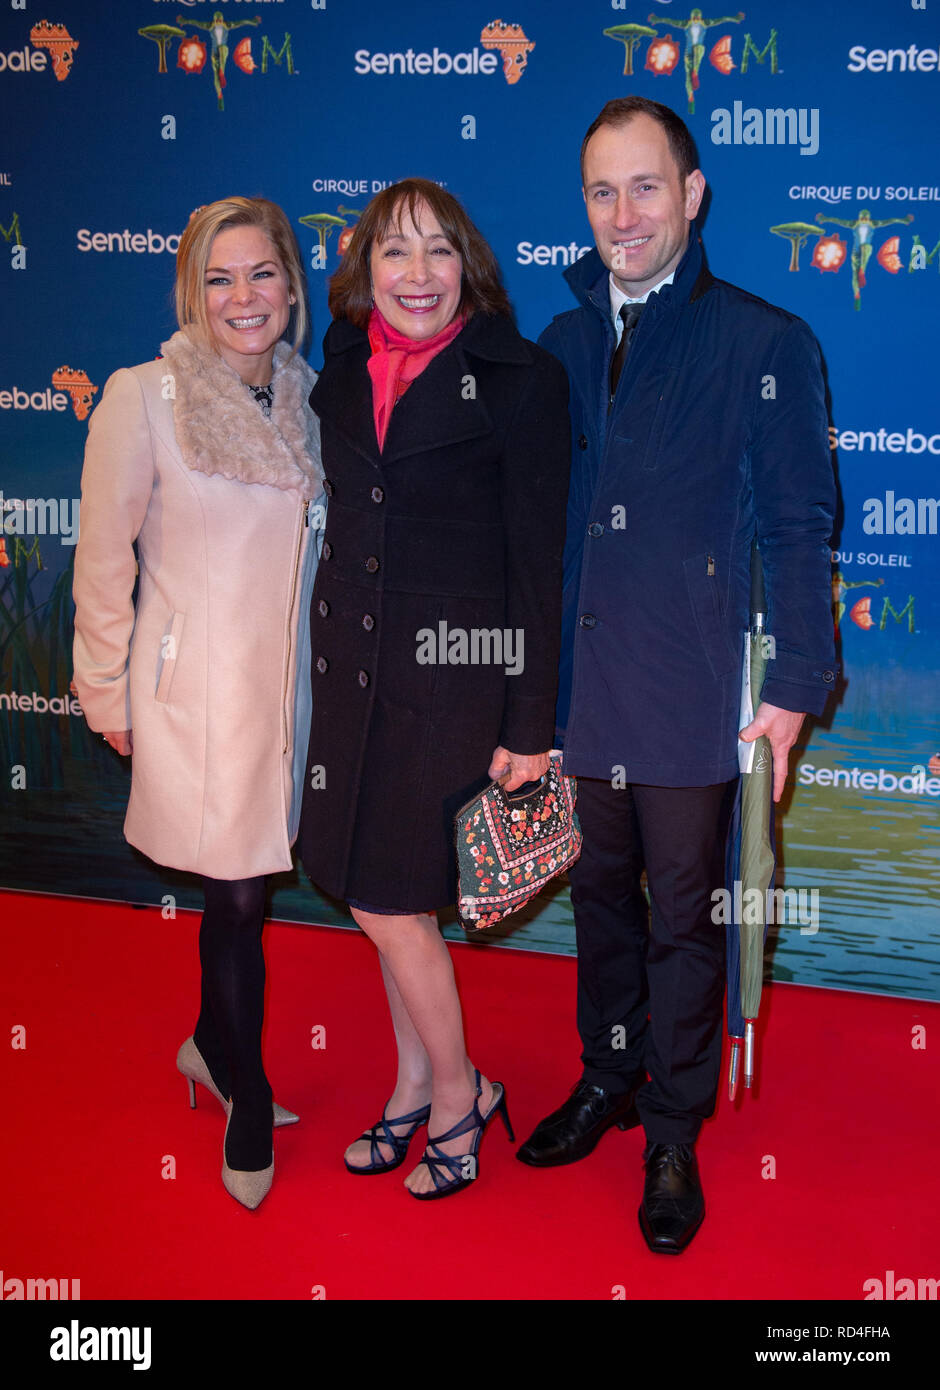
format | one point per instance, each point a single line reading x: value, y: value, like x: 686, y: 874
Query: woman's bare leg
x: 432, y: 1056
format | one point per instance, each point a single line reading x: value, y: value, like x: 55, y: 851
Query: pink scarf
x: 396, y: 361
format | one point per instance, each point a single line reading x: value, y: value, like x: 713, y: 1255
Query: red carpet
x: 846, y: 1110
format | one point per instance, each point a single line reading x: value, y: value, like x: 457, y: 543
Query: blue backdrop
x: 816, y: 128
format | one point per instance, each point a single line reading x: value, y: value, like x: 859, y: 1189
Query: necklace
x: 264, y: 395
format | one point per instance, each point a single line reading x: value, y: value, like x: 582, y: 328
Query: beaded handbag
x: 510, y: 844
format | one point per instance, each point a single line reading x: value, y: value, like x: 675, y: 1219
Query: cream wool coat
x: 211, y: 671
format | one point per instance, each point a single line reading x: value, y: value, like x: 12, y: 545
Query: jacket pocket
x: 705, y: 585
x: 661, y: 415
x: 169, y: 652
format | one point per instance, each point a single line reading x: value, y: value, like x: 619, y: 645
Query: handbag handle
x: 525, y: 790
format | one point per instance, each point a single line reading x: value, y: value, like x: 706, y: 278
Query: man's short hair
x: 621, y: 110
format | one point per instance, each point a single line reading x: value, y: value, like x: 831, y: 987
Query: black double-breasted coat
x: 440, y: 573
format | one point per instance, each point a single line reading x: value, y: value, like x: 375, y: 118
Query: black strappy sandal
x: 462, y: 1167
x: 381, y: 1133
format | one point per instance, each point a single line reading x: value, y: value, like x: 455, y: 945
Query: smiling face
x: 416, y: 274
x: 248, y: 301
x: 638, y: 206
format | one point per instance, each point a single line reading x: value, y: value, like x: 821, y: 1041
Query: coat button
x: 363, y: 679
x: 377, y: 495
x: 368, y: 622
x: 327, y: 550
x: 328, y: 487
x: 323, y: 608
x: 829, y: 677
x: 588, y: 620
x: 372, y: 564
x: 322, y: 665
x: 582, y: 442
x: 595, y: 529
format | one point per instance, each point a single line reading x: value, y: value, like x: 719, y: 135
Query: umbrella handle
x: 749, y: 1047
x: 734, y: 1068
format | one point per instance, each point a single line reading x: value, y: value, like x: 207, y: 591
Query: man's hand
x: 514, y: 769
x: 782, y: 727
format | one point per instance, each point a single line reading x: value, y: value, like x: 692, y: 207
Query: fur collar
x: 220, y: 428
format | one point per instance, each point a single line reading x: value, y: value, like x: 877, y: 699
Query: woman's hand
x: 122, y: 742
x: 511, y: 770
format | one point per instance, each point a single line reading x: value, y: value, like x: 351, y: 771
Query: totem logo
x: 50, y: 42
x: 831, y: 251
x: 193, y: 52
x: 662, y: 54
x: 497, y: 40
x: 901, y: 614
x: 13, y: 233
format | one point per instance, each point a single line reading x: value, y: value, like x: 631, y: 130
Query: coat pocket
x: 662, y: 414
x: 705, y: 588
x: 169, y: 652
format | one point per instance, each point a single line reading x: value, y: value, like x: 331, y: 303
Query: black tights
x: 231, y: 1015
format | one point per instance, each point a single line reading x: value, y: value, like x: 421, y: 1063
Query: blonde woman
x: 207, y: 463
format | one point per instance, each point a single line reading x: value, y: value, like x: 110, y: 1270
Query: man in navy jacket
x: 699, y: 424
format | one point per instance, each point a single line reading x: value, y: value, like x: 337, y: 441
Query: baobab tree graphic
x: 161, y: 35
x: 629, y: 35
x: 797, y: 233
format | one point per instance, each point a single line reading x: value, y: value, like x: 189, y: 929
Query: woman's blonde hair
x: 195, y: 247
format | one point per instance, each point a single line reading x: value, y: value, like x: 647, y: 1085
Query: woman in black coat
x: 435, y: 623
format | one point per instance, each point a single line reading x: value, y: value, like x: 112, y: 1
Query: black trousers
x: 651, y: 978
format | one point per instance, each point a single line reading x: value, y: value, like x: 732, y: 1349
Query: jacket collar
x: 589, y: 279
x: 220, y: 428
x: 438, y: 409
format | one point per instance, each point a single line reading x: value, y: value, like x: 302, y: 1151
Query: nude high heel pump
x: 191, y: 1064
x: 249, y: 1188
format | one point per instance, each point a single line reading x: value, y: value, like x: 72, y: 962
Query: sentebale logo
x: 508, y: 40
x: 49, y: 41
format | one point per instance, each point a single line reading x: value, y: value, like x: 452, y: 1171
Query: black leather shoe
x: 673, y: 1206
x: 572, y: 1131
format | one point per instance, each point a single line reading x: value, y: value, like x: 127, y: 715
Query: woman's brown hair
x: 481, y: 284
